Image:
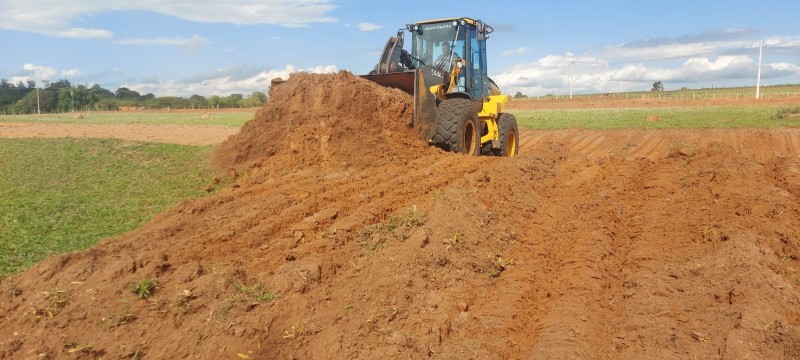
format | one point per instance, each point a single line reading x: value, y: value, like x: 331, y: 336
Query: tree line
x: 63, y: 96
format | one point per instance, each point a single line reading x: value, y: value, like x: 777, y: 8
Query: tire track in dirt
x: 337, y: 205
x: 639, y: 234
x: 764, y: 144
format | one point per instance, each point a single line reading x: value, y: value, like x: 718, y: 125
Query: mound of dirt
x: 333, y: 119
x: 589, y: 245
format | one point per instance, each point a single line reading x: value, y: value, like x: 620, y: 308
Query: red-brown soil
x: 591, y: 244
x: 173, y: 134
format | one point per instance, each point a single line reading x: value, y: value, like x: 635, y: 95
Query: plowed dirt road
x: 609, y: 244
x: 174, y: 134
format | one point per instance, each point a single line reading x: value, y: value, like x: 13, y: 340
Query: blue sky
x: 185, y: 47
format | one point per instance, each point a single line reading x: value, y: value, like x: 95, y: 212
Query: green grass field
x: 684, y: 117
x: 149, y: 118
x: 59, y: 195
x: 772, y: 91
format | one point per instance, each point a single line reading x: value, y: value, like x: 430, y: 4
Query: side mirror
x: 483, y: 30
x: 414, y: 28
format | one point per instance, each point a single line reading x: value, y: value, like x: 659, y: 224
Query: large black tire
x: 509, y: 135
x: 458, y: 127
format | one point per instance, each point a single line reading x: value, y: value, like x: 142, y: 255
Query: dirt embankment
x: 345, y: 237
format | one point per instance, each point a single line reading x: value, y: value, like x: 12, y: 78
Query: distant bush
x: 786, y: 112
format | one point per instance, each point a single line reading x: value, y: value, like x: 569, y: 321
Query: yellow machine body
x: 459, y: 76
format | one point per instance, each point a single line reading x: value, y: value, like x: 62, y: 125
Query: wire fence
x: 787, y: 91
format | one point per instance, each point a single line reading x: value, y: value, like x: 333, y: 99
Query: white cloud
x: 55, y: 17
x: 516, y: 52
x: 793, y: 68
x: 718, y: 58
x: 71, y: 73
x: 81, y: 33
x: 196, y: 42
x: 365, y: 26
x: 552, y: 74
x: 40, y: 72
x: 663, y: 49
x: 224, y: 84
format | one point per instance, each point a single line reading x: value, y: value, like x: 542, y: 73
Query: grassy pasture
x: 228, y: 118
x: 772, y: 91
x: 59, y: 195
x: 656, y: 118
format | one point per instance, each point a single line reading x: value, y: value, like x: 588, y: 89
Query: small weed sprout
x: 456, y: 242
x: 497, y: 265
x: 256, y: 292
x: 184, y: 298
x: 288, y: 334
x: 144, y: 288
x: 438, y: 194
x: 396, y: 227
x: 122, y: 317
x: 251, y: 296
x: 57, y: 301
x: 87, y: 349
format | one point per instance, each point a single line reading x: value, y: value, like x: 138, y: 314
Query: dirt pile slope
x: 336, y: 120
x: 637, y: 249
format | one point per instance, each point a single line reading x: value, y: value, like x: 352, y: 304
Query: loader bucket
x: 413, y: 83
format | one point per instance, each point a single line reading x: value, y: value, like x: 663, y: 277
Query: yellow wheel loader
x: 456, y: 106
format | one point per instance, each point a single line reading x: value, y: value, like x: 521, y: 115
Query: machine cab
x: 456, y: 46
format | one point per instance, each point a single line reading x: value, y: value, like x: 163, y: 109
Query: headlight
x: 415, y: 27
x: 459, y: 64
x: 463, y: 22
x: 455, y: 22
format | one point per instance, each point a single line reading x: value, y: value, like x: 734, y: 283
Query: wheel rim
x: 469, y: 137
x: 511, y: 143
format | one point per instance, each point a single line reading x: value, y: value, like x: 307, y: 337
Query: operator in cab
x: 443, y: 61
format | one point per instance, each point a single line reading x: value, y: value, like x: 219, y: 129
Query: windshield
x: 431, y: 42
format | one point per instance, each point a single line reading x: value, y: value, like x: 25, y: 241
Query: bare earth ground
x: 591, y: 244
x: 175, y: 134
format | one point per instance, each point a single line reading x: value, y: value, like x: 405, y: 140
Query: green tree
x: 520, y: 95
x: 107, y: 104
x: 233, y: 100
x: 172, y: 102
x: 256, y: 99
x: 198, y: 102
x: 215, y: 102
x: 657, y: 86
x: 101, y: 93
x: 83, y: 97
x: 124, y: 93
x: 60, y: 84
x: 48, y: 100
x: 64, y: 100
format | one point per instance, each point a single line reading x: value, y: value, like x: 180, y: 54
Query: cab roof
x: 468, y: 20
